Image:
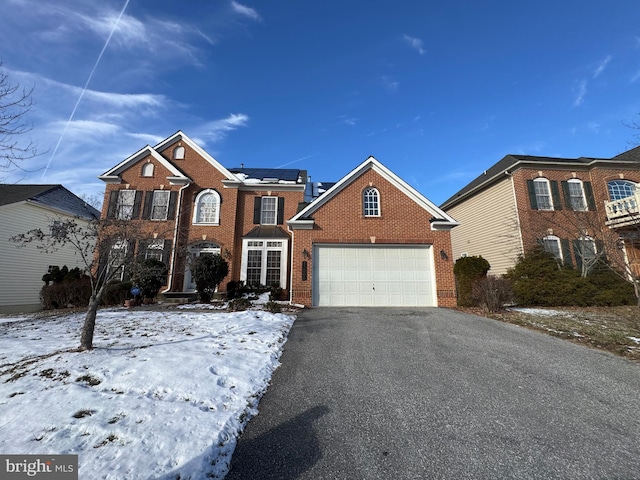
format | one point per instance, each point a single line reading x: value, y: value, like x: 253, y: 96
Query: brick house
x: 272, y: 225
x: 574, y: 207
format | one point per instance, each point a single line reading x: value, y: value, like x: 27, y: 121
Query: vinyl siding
x: 488, y: 227
x: 22, y: 268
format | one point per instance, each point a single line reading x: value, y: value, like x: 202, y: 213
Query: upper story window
x: 543, y: 194
x: 371, y: 202
x: 207, y: 208
x: 619, y: 189
x: 160, y: 205
x: 125, y: 204
x: 551, y: 244
x: 178, y: 153
x: 147, y: 170
x: 575, y: 193
x: 269, y: 209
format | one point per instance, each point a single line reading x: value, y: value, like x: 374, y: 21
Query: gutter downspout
x: 291, y: 264
x: 174, y: 249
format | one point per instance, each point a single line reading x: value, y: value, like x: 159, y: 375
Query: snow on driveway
x: 163, y: 395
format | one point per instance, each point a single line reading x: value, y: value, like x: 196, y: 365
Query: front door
x: 204, y: 248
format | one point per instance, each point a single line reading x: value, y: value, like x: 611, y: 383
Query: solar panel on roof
x: 286, y: 174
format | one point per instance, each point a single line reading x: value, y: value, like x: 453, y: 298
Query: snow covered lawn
x: 163, y: 395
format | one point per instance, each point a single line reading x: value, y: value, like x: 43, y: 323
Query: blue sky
x: 437, y: 91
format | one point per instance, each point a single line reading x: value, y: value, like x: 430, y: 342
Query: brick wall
x: 402, y: 221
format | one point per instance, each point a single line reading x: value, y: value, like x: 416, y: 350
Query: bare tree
x: 15, y: 103
x: 115, y: 241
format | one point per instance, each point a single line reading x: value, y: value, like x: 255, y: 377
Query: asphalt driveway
x: 435, y: 393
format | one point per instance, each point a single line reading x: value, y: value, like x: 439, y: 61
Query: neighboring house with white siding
x: 568, y: 205
x: 24, y: 208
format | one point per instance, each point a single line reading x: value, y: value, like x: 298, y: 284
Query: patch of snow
x: 634, y: 339
x: 164, y: 394
x: 538, y: 311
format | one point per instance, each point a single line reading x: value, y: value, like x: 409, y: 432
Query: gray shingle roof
x: 52, y: 196
x: 511, y: 161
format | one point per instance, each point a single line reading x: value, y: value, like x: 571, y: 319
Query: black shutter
x: 142, y: 249
x: 532, y: 194
x: 577, y: 251
x: 566, y: 194
x: 280, y: 220
x: 555, y: 193
x: 257, y: 208
x: 600, y: 250
x: 173, y: 197
x: 166, y: 252
x: 148, y: 202
x: 136, y: 205
x: 128, y: 259
x: 566, y: 252
x: 588, y: 191
x: 113, y: 204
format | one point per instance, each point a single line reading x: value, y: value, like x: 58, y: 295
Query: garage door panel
x: 367, y: 275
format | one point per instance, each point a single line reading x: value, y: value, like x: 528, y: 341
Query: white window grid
x: 552, y: 245
x: 576, y: 195
x: 543, y: 194
x: 160, y: 205
x: 124, y: 207
x: 269, y: 210
x: 371, y: 199
x: 155, y: 250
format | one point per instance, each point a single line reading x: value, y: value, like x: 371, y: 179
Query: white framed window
x: 269, y: 210
x: 147, y: 170
x: 207, y: 208
x: 155, y: 250
x: 160, y: 205
x: 264, y: 262
x: 117, y: 260
x: 576, y: 195
x: 178, y: 153
x: 619, y: 189
x: 124, y: 206
x: 551, y: 244
x: 543, y: 194
x: 371, y: 202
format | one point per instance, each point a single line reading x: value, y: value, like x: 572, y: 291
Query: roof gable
x: 440, y: 220
x: 113, y: 175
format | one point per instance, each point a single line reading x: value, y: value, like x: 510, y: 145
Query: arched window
x: 147, y: 170
x: 619, y: 189
x: 576, y: 195
x: 178, y: 153
x: 371, y: 202
x: 543, y: 194
x: 551, y: 244
x: 207, y: 208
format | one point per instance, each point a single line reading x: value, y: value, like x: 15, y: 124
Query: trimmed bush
x: 207, y: 272
x: 469, y: 270
x: 117, y: 292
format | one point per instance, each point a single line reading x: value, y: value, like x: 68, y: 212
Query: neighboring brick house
x: 189, y: 204
x: 565, y: 204
x: 31, y: 207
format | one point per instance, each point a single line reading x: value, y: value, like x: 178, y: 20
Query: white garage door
x: 384, y: 275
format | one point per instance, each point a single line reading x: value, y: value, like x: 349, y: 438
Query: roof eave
x: 301, y: 224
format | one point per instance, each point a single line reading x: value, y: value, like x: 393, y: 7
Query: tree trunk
x: 86, y: 340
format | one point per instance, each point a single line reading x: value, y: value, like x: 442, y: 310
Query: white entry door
x: 373, y: 275
x: 204, y: 248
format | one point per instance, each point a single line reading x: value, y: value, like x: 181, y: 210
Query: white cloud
x: 390, y: 84
x: 244, y: 10
x: 414, y: 43
x: 148, y: 138
x: 218, y: 129
x: 581, y: 91
x: 601, y: 66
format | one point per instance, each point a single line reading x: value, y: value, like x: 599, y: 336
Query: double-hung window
x: 551, y: 244
x: 124, y: 207
x: 543, y: 194
x: 269, y: 210
x: 155, y: 250
x: 576, y: 195
x: 160, y: 205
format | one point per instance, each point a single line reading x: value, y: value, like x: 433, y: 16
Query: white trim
x: 265, y: 248
x: 196, y: 208
x: 113, y: 175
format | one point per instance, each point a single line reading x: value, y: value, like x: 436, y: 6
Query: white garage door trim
x: 379, y: 275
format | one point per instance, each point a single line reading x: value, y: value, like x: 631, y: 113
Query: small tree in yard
x: 207, y: 272
x: 115, y: 240
x: 468, y: 270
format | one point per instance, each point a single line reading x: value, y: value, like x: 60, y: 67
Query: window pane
x: 273, y: 267
x: 552, y: 245
x: 543, y: 198
x: 155, y: 250
x: 160, y: 205
x: 370, y: 199
x: 126, y: 199
x: 269, y: 207
x: 207, y: 208
x: 619, y: 189
x: 576, y: 195
x: 254, y: 264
